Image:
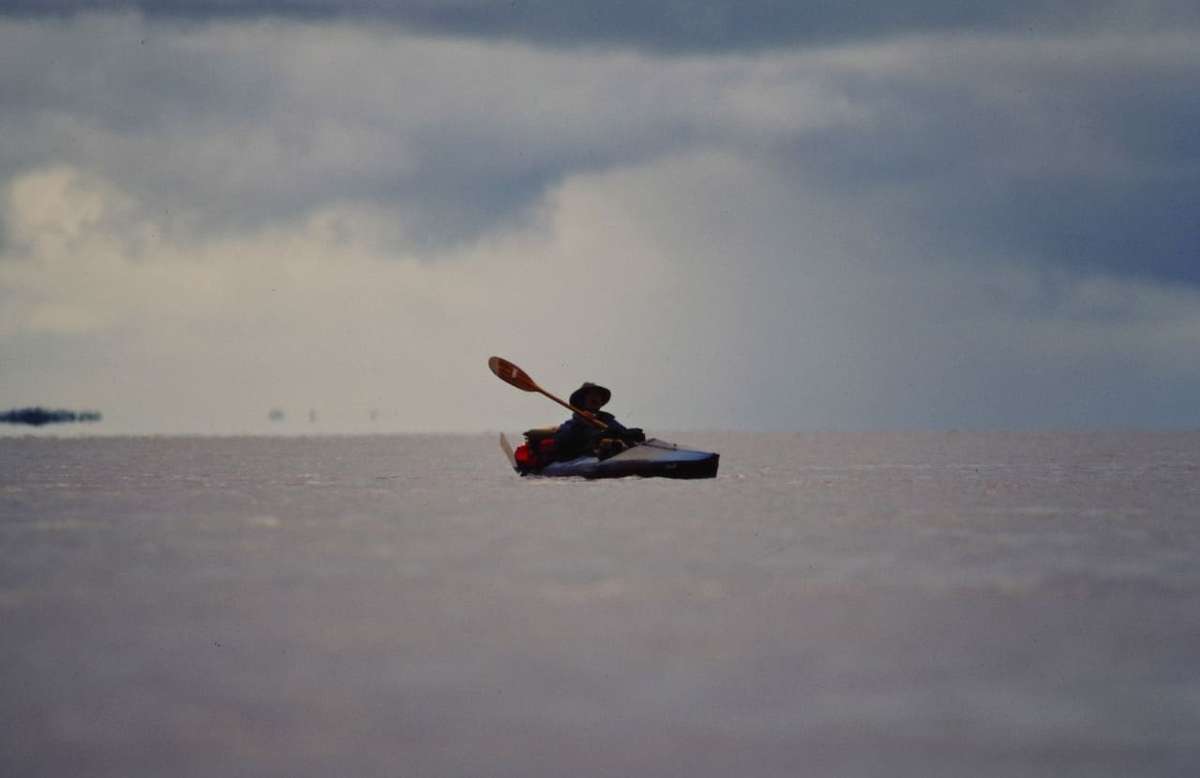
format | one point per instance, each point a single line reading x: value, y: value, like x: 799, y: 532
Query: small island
x: 37, y: 417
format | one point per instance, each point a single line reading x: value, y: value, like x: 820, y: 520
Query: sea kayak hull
x: 652, y: 459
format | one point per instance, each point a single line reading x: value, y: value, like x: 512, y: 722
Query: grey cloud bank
x: 948, y: 222
x: 1016, y: 144
x: 705, y: 25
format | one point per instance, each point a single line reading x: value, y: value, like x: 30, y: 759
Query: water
x: 854, y: 605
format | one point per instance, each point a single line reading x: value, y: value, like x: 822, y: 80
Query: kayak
x: 653, y: 458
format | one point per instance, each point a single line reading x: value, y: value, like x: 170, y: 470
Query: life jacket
x: 538, y: 449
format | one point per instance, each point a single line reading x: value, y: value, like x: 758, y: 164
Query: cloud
x: 668, y: 26
x: 304, y: 314
x: 1019, y: 145
x: 629, y: 280
x: 968, y: 229
x: 264, y: 121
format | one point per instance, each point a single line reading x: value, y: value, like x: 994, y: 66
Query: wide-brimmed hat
x: 577, y: 395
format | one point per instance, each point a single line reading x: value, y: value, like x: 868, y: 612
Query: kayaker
x: 576, y: 436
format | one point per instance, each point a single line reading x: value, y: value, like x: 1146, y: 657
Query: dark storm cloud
x: 1075, y: 150
x: 1079, y: 154
x: 231, y: 131
x: 666, y: 26
x: 240, y: 126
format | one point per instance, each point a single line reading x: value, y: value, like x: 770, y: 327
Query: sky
x: 735, y: 215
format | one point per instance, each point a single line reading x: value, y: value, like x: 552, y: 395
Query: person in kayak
x: 577, y: 437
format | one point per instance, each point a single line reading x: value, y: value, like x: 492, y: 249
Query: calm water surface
x: 850, y: 605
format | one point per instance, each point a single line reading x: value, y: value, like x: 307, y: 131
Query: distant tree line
x: 36, y: 417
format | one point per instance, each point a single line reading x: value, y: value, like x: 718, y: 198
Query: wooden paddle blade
x: 511, y: 374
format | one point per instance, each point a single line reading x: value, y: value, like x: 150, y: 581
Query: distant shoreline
x: 37, y: 416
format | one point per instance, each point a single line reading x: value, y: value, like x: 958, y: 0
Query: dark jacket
x: 576, y: 437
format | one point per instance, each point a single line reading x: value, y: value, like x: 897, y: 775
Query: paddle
x: 511, y: 374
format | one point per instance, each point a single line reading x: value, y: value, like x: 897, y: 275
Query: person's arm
x: 618, y: 430
x: 615, y: 427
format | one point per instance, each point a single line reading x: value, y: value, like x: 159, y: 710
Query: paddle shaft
x: 514, y: 376
x: 586, y: 416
